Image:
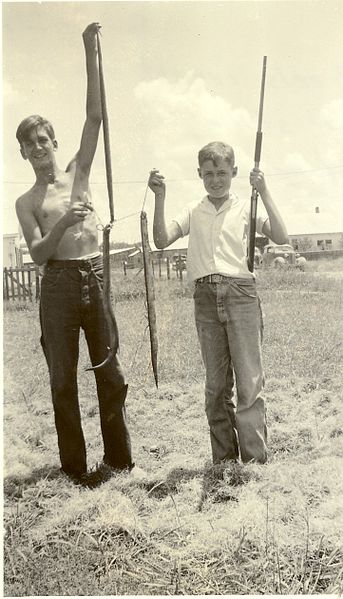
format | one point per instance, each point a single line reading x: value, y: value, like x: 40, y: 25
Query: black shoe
x: 91, y: 480
x: 75, y: 477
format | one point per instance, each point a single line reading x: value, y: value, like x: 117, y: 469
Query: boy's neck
x: 218, y: 202
x: 48, y: 175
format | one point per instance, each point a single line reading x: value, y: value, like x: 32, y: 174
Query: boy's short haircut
x: 30, y: 123
x: 216, y: 151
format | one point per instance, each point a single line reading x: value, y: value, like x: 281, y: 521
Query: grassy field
x: 188, y: 528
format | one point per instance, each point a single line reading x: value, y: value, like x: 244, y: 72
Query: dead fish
x: 150, y: 293
x: 110, y: 317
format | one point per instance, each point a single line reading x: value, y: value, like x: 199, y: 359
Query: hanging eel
x: 110, y: 317
x: 150, y: 292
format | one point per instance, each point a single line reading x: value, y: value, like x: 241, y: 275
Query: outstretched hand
x: 156, y: 181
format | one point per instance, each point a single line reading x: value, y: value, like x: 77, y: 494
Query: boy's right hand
x: 156, y: 182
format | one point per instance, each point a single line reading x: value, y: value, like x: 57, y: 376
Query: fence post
x: 37, y: 283
x: 10, y: 270
x: 23, y: 282
x: 6, y: 289
x: 124, y: 267
x: 168, y: 268
x: 29, y: 283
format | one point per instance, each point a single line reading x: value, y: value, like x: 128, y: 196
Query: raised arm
x: 90, y: 133
x: 164, y: 234
x: 274, y: 228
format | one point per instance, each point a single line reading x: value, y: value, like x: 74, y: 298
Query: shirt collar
x: 225, y: 206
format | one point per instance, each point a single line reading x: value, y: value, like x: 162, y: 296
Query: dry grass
x: 188, y: 528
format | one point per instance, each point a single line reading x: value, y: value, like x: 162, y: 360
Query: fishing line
x: 127, y: 216
x: 145, y: 195
x: 133, y: 181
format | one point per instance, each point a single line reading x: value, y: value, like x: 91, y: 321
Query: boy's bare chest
x: 51, y: 203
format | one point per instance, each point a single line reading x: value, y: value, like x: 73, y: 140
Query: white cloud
x: 332, y: 115
x: 9, y: 93
x: 332, y: 119
x: 189, y: 116
x: 296, y: 162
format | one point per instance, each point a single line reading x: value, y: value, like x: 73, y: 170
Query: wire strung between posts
x: 145, y: 196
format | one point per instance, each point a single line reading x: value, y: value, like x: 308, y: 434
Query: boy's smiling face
x: 217, y: 177
x: 38, y: 147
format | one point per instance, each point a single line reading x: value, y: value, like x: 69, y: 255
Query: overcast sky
x: 178, y: 75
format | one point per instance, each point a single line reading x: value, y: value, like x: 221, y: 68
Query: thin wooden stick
x: 109, y: 313
x: 105, y: 128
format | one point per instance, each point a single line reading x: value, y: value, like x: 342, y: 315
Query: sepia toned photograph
x: 172, y: 298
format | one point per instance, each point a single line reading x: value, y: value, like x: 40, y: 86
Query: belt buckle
x: 216, y: 278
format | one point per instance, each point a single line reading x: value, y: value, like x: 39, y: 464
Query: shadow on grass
x: 14, y: 485
x: 222, y: 482
x: 219, y: 483
x: 162, y: 488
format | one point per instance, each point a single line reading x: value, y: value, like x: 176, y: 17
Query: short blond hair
x: 216, y: 151
x: 32, y: 122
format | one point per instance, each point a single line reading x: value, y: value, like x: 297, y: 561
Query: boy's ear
x: 23, y: 153
x: 234, y: 171
x: 55, y: 144
x: 199, y: 173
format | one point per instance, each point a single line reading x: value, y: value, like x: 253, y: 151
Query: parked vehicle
x: 257, y: 257
x: 282, y: 256
x: 179, y: 262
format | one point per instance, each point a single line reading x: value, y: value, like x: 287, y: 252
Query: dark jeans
x: 71, y: 298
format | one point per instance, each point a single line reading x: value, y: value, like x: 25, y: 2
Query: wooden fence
x: 161, y: 267
x: 21, y: 283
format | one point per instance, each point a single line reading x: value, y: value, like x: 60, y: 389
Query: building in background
x: 315, y: 231
x: 10, y: 243
x: 15, y: 251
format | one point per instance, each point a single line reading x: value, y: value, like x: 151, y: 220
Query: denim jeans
x: 229, y: 325
x: 71, y: 299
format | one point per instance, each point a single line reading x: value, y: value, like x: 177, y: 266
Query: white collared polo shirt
x: 217, y: 238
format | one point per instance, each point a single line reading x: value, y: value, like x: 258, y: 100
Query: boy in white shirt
x: 227, y: 306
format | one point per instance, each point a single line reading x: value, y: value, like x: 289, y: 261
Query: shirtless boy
x: 59, y: 226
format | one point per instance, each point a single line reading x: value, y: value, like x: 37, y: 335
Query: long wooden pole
x: 254, y: 195
x: 105, y: 128
x: 110, y: 317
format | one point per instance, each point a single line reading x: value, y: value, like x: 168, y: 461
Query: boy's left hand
x: 257, y: 180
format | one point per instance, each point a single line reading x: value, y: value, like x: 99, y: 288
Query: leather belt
x: 215, y: 278
x: 77, y: 263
